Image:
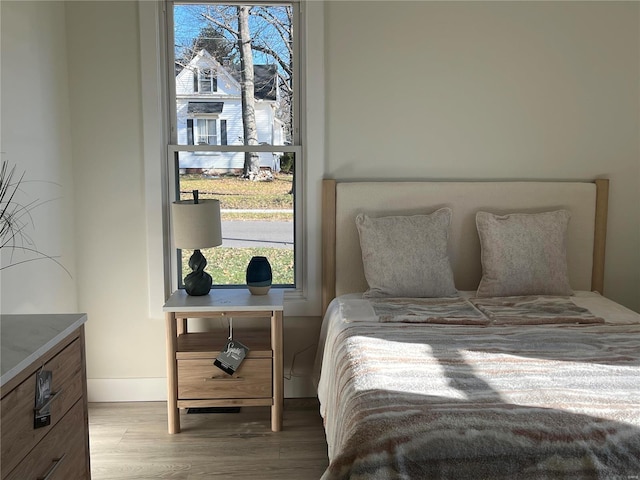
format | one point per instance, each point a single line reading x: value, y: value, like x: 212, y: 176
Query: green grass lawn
x: 236, y: 193
x: 228, y: 266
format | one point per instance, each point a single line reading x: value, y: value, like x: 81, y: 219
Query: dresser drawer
x: 16, y: 409
x: 61, y: 454
x: 200, y: 379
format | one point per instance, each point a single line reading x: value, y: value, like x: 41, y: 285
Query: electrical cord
x: 291, y: 373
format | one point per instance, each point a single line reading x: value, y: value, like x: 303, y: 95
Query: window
x: 241, y: 145
x: 205, y: 81
x: 206, y: 132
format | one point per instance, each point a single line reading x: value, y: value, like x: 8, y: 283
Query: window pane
x: 257, y: 217
x: 201, y: 128
x: 257, y: 99
x: 206, y: 77
x: 206, y: 132
x: 238, y: 99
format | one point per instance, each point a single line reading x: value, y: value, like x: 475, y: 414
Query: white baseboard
x: 127, y: 389
x: 155, y: 389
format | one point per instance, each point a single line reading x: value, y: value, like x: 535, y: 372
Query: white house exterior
x: 209, y: 112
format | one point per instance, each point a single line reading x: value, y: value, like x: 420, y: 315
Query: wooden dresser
x: 60, y: 450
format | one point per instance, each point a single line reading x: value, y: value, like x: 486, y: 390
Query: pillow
x: 406, y: 256
x: 523, y: 254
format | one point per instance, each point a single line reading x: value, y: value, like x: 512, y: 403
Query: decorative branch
x: 15, y: 217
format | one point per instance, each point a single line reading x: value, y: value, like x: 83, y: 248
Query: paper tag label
x: 42, y: 409
x: 231, y: 357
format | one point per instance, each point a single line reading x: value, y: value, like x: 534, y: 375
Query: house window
x: 205, y: 81
x: 251, y: 159
x: 206, y: 132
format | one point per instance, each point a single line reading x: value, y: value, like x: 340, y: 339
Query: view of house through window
x: 235, y: 130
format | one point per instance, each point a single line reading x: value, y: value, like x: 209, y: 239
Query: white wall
x: 479, y: 90
x: 125, y: 341
x: 492, y: 90
x: 125, y: 347
x: 36, y: 139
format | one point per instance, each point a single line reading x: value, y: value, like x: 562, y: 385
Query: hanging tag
x: 231, y: 357
x: 42, y: 410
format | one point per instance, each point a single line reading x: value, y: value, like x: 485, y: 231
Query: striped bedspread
x: 402, y: 400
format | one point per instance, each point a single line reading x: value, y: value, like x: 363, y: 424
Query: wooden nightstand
x: 193, y: 380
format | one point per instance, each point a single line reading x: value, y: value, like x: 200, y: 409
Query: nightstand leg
x: 172, y: 374
x: 278, y: 381
x: 182, y: 326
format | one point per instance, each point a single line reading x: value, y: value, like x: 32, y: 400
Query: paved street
x: 257, y: 234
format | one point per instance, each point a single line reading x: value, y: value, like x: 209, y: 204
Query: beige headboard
x: 342, y: 201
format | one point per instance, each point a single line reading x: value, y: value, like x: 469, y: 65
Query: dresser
x: 32, y: 344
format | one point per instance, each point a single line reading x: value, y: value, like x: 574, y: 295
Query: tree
x: 250, y: 131
x: 268, y: 31
x: 280, y: 19
x: 212, y: 40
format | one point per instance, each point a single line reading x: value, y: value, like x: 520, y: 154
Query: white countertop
x: 25, y: 338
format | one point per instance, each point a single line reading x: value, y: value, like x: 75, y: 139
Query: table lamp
x: 196, y: 225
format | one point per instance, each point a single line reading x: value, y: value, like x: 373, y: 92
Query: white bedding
x: 353, y: 308
x: 351, y: 312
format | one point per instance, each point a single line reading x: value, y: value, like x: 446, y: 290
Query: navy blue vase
x: 259, y: 275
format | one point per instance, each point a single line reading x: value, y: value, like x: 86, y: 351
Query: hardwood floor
x: 130, y: 441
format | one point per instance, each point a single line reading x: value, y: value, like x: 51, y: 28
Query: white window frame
x: 207, y: 122
x: 209, y: 149
x: 305, y: 300
x: 204, y: 79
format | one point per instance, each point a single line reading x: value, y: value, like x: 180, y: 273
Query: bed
x: 456, y: 364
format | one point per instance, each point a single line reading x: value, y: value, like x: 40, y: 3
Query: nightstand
x: 193, y: 380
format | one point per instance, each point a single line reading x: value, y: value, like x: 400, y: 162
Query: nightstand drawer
x: 200, y: 379
x: 60, y: 454
x: 18, y: 434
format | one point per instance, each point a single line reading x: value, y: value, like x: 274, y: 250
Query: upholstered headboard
x: 342, y: 201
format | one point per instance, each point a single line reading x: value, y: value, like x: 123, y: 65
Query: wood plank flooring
x: 129, y: 441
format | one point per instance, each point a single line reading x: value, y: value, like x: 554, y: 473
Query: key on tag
x: 42, y: 410
x: 231, y: 357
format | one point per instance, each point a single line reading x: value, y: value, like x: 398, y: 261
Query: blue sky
x: 188, y: 24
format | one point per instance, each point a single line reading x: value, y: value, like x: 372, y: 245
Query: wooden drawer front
x: 16, y: 416
x: 61, y: 453
x: 200, y: 379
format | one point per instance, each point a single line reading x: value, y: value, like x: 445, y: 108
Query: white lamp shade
x: 196, y: 225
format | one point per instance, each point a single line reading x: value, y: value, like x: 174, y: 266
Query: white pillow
x: 523, y: 254
x: 406, y: 256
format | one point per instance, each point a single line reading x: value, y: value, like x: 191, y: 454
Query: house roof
x: 265, y: 81
x: 265, y: 76
x: 205, y: 107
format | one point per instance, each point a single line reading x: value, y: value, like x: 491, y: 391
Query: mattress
x: 404, y: 397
